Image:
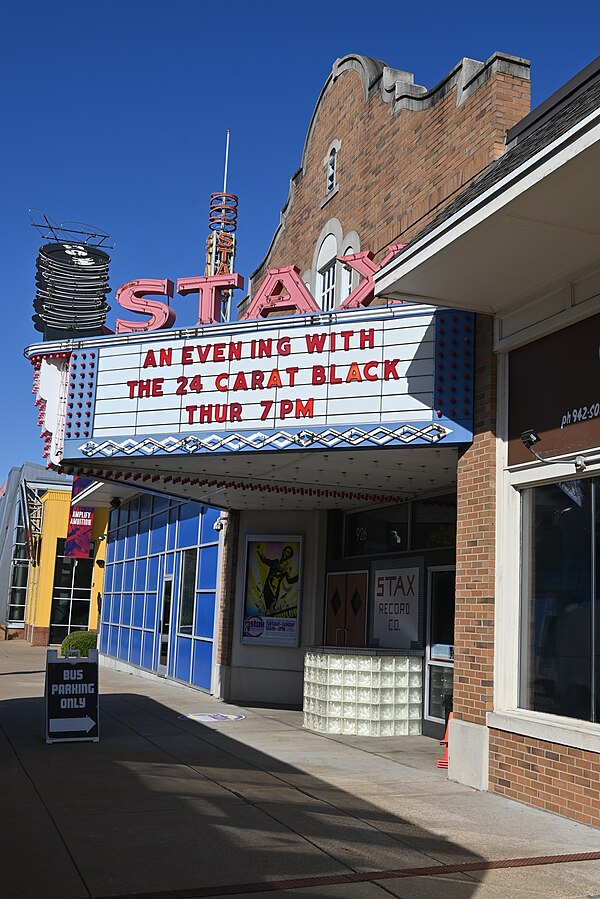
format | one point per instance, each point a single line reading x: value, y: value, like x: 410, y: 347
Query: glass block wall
x: 146, y: 542
x: 368, y: 695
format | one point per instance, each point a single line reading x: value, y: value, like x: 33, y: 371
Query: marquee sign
x: 387, y: 377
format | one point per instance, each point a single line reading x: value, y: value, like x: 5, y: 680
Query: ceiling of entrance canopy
x: 303, y: 480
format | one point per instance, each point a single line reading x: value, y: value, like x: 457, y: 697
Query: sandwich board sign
x: 71, y: 697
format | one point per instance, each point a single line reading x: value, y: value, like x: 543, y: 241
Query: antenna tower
x: 221, y: 241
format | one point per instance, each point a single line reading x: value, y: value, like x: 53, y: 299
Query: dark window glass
x: 60, y: 610
x: 188, y: 591
x: 80, y: 613
x: 441, y: 637
x: 83, y: 574
x: 441, y: 682
x: 376, y: 531
x: 20, y: 574
x: 558, y: 596
x: 16, y: 612
x: 20, y: 551
x: 71, y: 593
x: 57, y: 633
x: 434, y: 522
x: 63, y: 572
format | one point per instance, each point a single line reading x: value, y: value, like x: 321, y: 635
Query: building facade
x: 47, y: 593
x: 159, y: 602
x: 526, y: 684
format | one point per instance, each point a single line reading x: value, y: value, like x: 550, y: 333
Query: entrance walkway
x: 165, y: 807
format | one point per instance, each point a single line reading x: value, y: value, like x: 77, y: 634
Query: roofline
x: 553, y: 104
x: 533, y: 169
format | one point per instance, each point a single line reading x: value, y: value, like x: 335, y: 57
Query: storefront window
x: 416, y: 525
x: 434, y: 522
x: 188, y: 591
x: 376, y: 531
x: 20, y: 573
x: 71, y: 594
x: 560, y: 650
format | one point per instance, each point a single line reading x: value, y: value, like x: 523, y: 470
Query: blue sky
x: 116, y: 113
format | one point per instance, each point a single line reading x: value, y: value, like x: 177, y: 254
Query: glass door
x: 439, y: 658
x: 163, y: 656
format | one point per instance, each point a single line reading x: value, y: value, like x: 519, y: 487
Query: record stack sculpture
x: 72, y: 283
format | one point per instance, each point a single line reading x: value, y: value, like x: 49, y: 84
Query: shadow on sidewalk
x: 164, y: 803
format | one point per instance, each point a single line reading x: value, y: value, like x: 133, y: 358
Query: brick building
x: 520, y: 248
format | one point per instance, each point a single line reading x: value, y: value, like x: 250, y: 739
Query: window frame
x: 327, y: 273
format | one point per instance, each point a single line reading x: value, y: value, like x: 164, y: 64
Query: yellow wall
x: 55, y: 521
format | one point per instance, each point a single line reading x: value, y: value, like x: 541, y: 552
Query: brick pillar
x: 475, y: 544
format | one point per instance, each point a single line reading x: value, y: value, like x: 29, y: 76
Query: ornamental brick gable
x: 402, y: 153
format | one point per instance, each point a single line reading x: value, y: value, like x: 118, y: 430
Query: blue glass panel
x: 147, y: 650
x: 104, y: 638
x: 115, y: 613
x: 209, y: 518
x: 145, y: 505
x: 169, y: 563
x: 158, y: 533
x: 106, y: 605
x: 128, y: 576
x: 124, y: 643
x: 130, y: 544
x: 184, y: 658
x: 117, y: 584
x: 207, y: 575
x: 138, y: 610
x: 113, y: 520
x: 134, y: 509
x: 150, y: 617
x: 108, y: 578
x: 205, y: 614
x: 161, y: 503
x: 201, y: 668
x: 113, y: 639
x: 126, y: 609
x: 153, y: 573
x: 135, y: 647
x: 140, y: 574
x: 189, y: 515
x: 172, y: 532
x: 143, y: 528
x: 110, y: 547
x: 123, y: 516
x: 120, y: 547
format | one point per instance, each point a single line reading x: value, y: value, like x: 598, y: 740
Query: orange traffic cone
x: 443, y: 762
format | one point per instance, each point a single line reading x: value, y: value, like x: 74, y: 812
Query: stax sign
x: 282, y: 290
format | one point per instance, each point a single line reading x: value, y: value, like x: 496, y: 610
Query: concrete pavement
x: 169, y: 807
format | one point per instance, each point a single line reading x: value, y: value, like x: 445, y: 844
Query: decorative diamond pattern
x: 336, y: 602
x: 356, y: 602
x: 280, y: 440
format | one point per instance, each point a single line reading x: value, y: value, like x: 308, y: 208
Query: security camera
x: 115, y: 502
x: 220, y: 523
x: 530, y: 437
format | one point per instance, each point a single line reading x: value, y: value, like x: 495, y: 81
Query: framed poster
x: 272, y: 590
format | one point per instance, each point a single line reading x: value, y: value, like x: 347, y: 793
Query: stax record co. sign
x: 282, y: 292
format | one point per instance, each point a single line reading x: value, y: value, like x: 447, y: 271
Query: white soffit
x: 343, y: 479
x: 537, y: 226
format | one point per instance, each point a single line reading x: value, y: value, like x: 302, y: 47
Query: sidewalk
x: 169, y: 807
